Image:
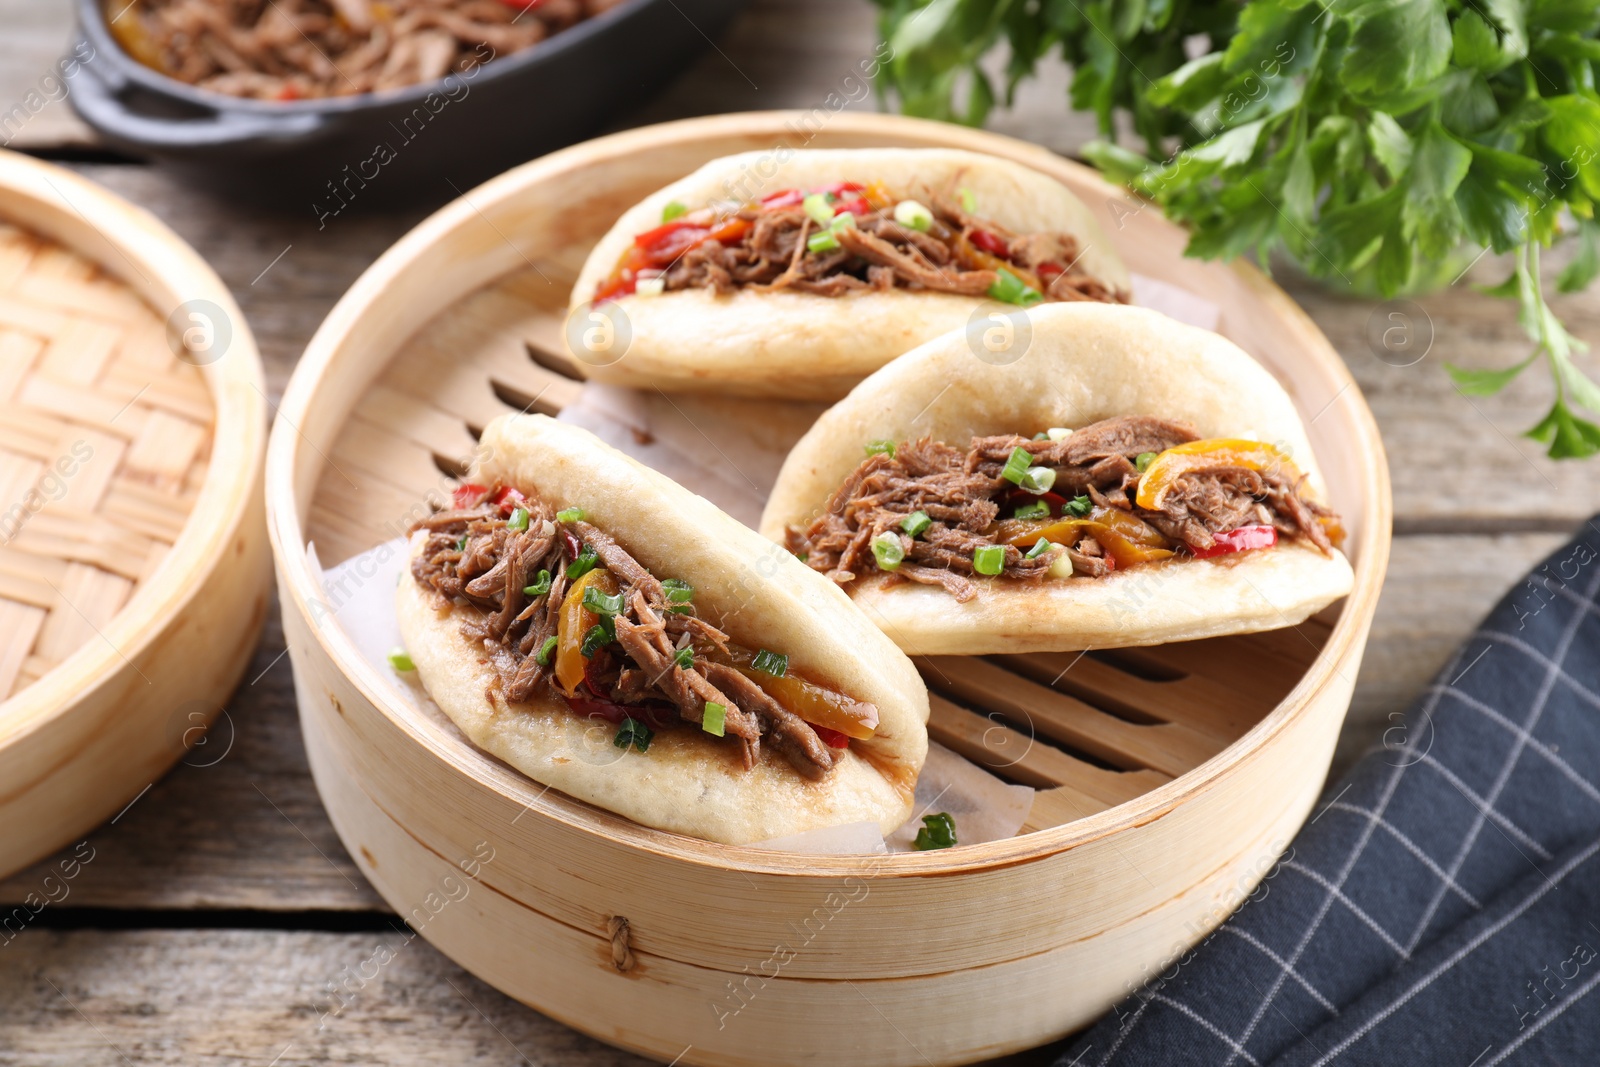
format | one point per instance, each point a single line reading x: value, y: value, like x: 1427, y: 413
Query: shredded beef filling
x: 957, y: 253
x: 970, y: 506
x: 473, y: 556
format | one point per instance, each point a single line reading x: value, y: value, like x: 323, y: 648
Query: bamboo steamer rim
x: 142, y: 252
x: 286, y: 505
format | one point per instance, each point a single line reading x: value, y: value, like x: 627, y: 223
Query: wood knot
x: 621, y: 951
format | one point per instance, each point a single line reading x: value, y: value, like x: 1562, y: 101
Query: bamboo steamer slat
x: 131, y: 601
x: 1169, y: 778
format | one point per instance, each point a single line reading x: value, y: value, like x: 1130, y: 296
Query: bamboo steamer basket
x: 1170, y: 778
x: 133, y: 551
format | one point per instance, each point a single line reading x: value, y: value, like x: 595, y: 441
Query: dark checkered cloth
x: 1442, y: 906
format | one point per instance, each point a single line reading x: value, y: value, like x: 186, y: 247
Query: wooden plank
x: 236, y: 825
x: 1444, y: 447
x: 85, y: 998
x: 37, y: 36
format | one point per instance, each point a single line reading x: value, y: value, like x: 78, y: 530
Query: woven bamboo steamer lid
x: 133, y: 577
x: 1169, y: 778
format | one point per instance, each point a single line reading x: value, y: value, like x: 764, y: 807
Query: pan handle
x: 99, y: 94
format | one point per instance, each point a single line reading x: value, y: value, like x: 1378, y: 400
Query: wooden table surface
x: 219, y: 919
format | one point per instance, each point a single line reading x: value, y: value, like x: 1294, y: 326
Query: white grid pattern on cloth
x: 1355, y: 909
x: 1499, y: 818
x: 1485, y: 813
x: 1545, y: 1020
x: 1256, y: 943
x: 1579, y: 690
x: 1541, y: 700
x: 1209, y: 1026
x: 1539, y: 747
x: 1462, y: 953
x: 1389, y: 788
x: 1410, y: 846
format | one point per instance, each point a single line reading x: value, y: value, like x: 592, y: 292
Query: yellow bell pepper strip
x: 1167, y: 468
x: 877, y: 194
x: 977, y: 259
x: 813, y: 703
x: 1127, y: 539
x: 574, y: 622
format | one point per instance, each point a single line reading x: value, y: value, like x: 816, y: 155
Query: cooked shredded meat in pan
x: 299, y: 49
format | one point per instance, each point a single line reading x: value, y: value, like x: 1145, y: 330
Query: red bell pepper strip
x: 990, y: 243
x: 508, y: 500
x: 831, y: 738
x: 468, y: 495
x: 1241, y: 540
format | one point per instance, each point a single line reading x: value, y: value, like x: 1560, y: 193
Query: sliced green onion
x: 542, y: 657
x: 540, y: 586
x: 969, y: 203
x: 650, y: 286
x: 842, y: 221
x: 583, y: 564
x: 990, y: 559
x: 682, y: 609
x: 518, y: 520
x: 1009, y: 288
x: 570, y: 515
x: 678, y: 590
x: 1079, y: 506
x: 597, y: 638
x: 912, y: 214
x: 885, y: 447
x: 802, y: 556
x: 888, y: 550
x: 915, y: 523
x: 1036, y: 510
x: 822, y: 241
x: 1142, y: 464
x: 817, y: 206
x: 1058, y: 433
x: 400, y: 659
x: 1040, y: 547
x: 1038, y: 479
x: 773, y: 663
x: 1061, y: 565
x: 1017, y: 465
x: 600, y: 603
x: 714, y: 718
x: 635, y: 733
x: 938, y: 831
x: 1041, y: 436
x: 684, y: 657
x: 461, y: 545
x: 673, y: 210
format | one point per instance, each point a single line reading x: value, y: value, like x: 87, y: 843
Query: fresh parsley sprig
x: 1381, y: 143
